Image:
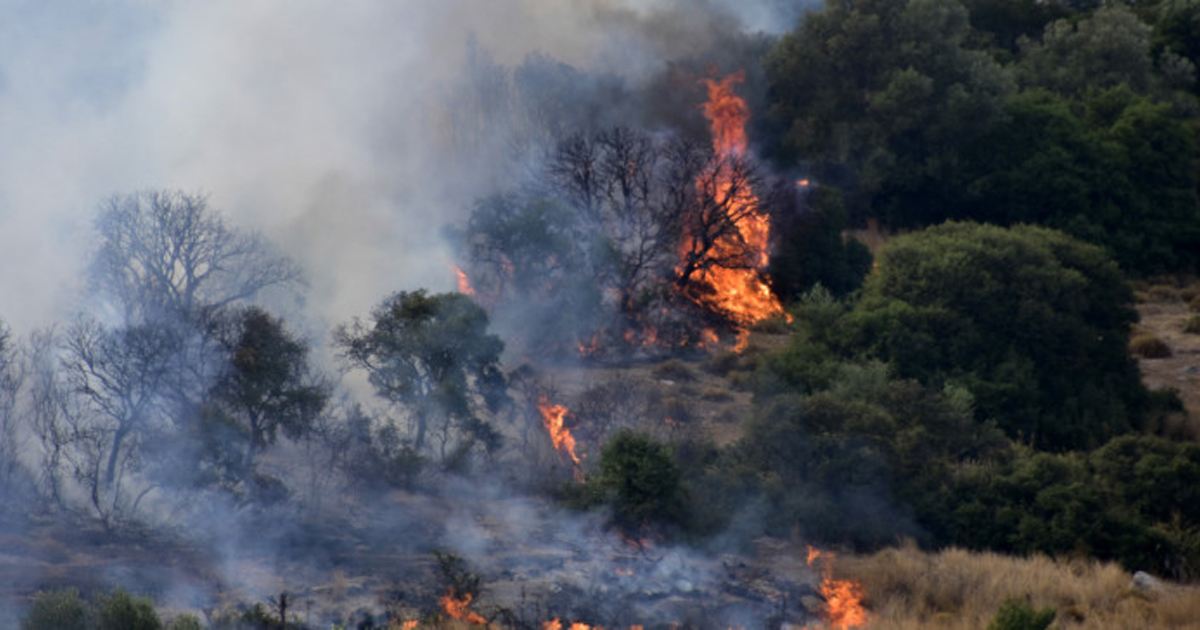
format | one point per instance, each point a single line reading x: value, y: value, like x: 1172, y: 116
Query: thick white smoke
x: 315, y: 122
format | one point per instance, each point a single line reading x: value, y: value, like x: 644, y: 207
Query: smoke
x: 346, y: 133
x: 313, y: 122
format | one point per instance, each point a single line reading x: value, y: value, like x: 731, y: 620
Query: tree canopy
x: 430, y: 355
x: 1033, y: 322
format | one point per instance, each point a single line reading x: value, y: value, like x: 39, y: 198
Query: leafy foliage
x: 432, y: 356
x: 1018, y: 615
x: 58, y: 610
x: 640, y: 480
x: 1033, y: 323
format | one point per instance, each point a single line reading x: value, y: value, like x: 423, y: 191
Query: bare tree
x: 109, y: 399
x: 12, y: 376
x: 167, y: 254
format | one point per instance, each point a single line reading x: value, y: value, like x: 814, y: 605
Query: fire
x: 740, y: 293
x: 553, y: 417
x: 464, y: 283
x: 843, y: 598
x: 460, y: 608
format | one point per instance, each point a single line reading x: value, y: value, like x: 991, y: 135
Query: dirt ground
x: 1163, y: 313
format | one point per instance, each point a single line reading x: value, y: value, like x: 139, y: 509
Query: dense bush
x: 121, y: 611
x: 640, y: 481
x: 58, y: 610
x: 1032, y: 322
x: 1018, y: 615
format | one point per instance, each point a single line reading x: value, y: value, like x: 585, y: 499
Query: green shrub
x: 57, y: 610
x: 1015, y: 614
x: 641, y: 480
x: 121, y: 611
x: 185, y: 622
x: 1149, y: 346
x: 1192, y: 325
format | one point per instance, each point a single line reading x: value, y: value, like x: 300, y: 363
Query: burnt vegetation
x: 973, y: 382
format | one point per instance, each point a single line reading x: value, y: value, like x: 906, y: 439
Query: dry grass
x: 959, y: 590
x: 1149, y: 346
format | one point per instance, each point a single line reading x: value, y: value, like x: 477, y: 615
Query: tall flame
x: 739, y: 293
x: 464, y: 283
x: 460, y: 608
x: 553, y: 417
x: 843, y: 598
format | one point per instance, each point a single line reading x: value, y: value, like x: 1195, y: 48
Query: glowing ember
x: 460, y: 609
x: 553, y: 417
x: 464, y: 283
x: 740, y: 292
x: 843, y: 598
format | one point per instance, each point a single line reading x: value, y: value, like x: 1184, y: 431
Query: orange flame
x: 738, y: 292
x: 460, y: 609
x: 553, y: 417
x: 464, y: 283
x: 843, y: 598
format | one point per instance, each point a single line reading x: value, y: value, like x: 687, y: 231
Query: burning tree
x: 646, y: 227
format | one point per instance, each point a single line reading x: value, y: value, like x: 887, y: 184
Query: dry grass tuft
x: 955, y: 589
x: 1192, y: 325
x: 1149, y: 346
x: 1162, y: 293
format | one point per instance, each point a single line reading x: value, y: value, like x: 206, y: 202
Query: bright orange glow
x: 553, y: 624
x: 553, y: 417
x: 464, y: 283
x: 802, y: 182
x: 589, y: 348
x: 460, y: 608
x: 843, y: 598
x: 739, y: 293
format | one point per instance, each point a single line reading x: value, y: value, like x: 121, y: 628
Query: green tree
x: 121, y: 611
x: 432, y: 356
x: 1032, y: 322
x: 58, y: 610
x: 641, y: 481
x: 266, y: 387
x: 884, y: 98
x: 1114, y: 169
x: 1109, y: 47
x: 811, y: 249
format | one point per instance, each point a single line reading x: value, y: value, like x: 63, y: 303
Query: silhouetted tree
x: 167, y: 254
x: 432, y: 357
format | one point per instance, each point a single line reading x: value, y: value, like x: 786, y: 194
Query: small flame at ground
x: 554, y: 417
x: 843, y: 598
x: 460, y: 608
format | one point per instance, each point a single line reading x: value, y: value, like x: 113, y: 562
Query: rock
x: 1146, y: 583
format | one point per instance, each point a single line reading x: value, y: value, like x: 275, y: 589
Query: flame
x: 553, y: 417
x: 739, y: 293
x: 843, y: 598
x: 460, y: 609
x: 464, y: 283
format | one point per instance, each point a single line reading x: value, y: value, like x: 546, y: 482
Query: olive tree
x: 432, y: 358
